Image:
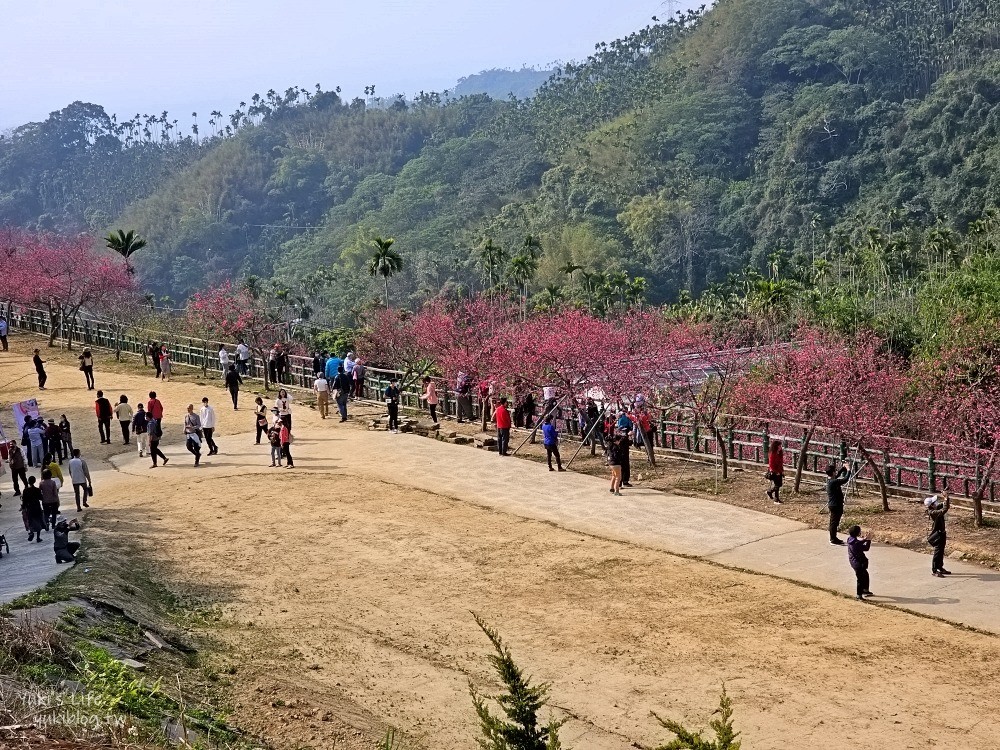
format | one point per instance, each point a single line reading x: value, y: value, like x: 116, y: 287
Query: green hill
x: 754, y: 130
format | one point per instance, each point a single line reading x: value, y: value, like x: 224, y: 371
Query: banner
x: 23, y: 410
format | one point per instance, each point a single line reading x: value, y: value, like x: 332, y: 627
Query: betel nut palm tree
x: 125, y: 244
x: 385, y: 262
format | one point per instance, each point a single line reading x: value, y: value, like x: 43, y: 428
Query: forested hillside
x: 813, y: 143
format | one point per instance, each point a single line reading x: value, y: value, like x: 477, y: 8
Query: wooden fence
x: 905, y: 465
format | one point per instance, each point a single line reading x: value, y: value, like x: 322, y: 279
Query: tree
x: 241, y: 310
x: 126, y: 244
x: 521, y: 271
x: 385, y: 262
x: 520, y: 703
x: 725, y: 735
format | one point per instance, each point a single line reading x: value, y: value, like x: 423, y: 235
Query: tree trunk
x: 386, y: 278
x: 802, y: 457
x: 720, y: 445
x: 977, y: 499
x: 878, y: 476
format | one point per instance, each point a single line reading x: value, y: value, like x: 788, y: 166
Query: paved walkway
x: 717, y: 532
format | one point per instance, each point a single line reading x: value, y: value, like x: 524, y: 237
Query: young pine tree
x: 520, y: 702
x: 725, y: 736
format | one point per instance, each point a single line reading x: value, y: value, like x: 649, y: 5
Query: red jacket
x: 776, y: 462
x: 502, y: 417
x: 154, y: 408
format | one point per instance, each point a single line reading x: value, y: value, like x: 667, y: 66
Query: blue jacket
x: 550, y: 435
x: 624, y: 423
x: 332, y: 365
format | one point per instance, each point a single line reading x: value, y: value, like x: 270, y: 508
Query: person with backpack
x: 938, y: 538
x: 342, y: 389
x: 625, y: 425
x: 550, y: 439
x: 274, y: 438
x: 104, y: 414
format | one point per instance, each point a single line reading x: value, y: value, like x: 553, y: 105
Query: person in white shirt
x: 322, y: 388
x: 284, y: 406
x: 79, y: 475
x: 208, y: 426
x: 223, y: 358
x: 123, y: 412
x: 242, y: 358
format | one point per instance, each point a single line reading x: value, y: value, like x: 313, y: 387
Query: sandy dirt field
x: 342, y: 595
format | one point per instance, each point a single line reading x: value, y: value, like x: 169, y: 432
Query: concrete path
x: 717, y: 532
x: 29, y: 565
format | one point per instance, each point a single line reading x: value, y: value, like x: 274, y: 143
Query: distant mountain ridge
x: 500, y: 83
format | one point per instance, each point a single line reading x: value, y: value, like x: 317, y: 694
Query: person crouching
x: 65, y: 549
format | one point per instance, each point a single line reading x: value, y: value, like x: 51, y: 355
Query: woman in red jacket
x: 503, y: 421
x: 775, y: 470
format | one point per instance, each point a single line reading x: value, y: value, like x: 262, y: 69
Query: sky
x: 187, y: 56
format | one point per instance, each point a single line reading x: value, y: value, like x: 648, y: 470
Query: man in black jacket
x: 233, y: 383
x: 835, y: 498
x: 938, y: 538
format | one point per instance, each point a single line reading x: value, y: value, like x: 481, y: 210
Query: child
x: 857, y: 546
x: 274, y: 438
x: 550, y: 439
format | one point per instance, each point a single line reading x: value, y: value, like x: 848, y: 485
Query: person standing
x: 322, y: 389
x: 30, y: 501
x: 36, y: 442
x: 349, y: 363
x: 87, y: 368
x: 242, y: 358
x: 342, y: 390
x: 66, y: 436
x: 594, y: 426
x: 104, y: 414
x: 207, y: 416
x: 192, y: 437
x: 391, y: 397
x: 3, y: 333
x: 140, y: 428
x: 260, y: 417
x: 938, y: 538
x: 40, y: 369
x: 463, y: 387
x: 79, y: 475
x: 123, y: 413
x: 776, y: 470
x: 50, y: 498
x: 223, y: 359
x: 317, y: 364
x: 359, y: 378
x: 550, y: 439
x: 274, y: 438
x: 31, y: 511
x: 430, y: 396
x: 164, y: 363
x: 54, y: 469
x: 155, y: 431
x: 502, y: 418
x: 284, y: 406
x: 857, y: 548
x: 154, y: 354
x: 286, y: 445
x: 233, y: 383
x: 617, y: 449
x: 18, y: 466
x: 53, y: 441
x: 835, y: 498
x: 625, y: 425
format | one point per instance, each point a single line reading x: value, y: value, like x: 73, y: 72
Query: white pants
x: 140, y: 440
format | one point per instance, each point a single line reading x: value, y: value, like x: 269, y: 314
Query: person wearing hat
x: 938, y: 538
x: 53, y: 441
x: 857, y: 548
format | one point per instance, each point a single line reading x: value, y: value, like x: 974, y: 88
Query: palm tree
x: 385, y: 262
x: 125, y: 244
x: 552, y: 296
x: 569, y: 268
x: 491, y: 257
x: 521, y: 271
x: 532, y: 246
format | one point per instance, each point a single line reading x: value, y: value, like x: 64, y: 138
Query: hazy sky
x: 187, y: 55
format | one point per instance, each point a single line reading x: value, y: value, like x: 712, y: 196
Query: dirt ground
x: 341, y: 603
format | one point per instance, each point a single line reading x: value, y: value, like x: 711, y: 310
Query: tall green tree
x: 385, y: 262
x: 126, y: 244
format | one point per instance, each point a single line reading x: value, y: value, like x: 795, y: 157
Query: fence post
x: 932, y: 470
x: 730, y: 443
x: 696, y: 436
x: 663, y: 428
x: 767, y: 440
x: 843, y: 449
x: 886, y: 467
